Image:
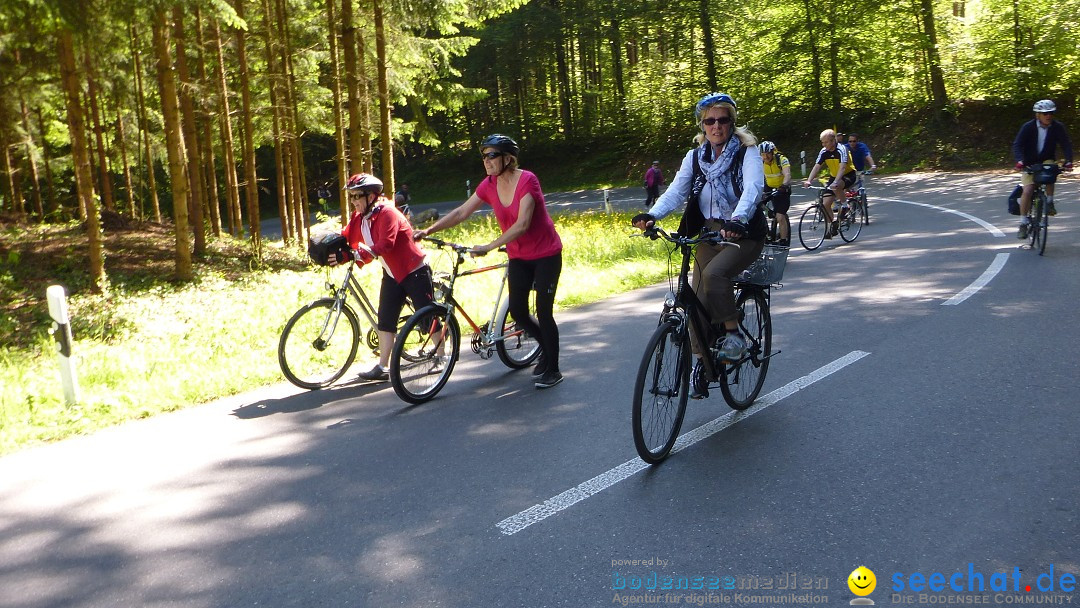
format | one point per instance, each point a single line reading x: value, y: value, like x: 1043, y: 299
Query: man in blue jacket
x: 1037, y: 142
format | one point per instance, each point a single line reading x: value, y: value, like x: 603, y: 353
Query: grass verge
x: 153, y: 346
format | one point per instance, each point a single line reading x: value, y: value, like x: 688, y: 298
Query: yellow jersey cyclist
x: 836, y: 159
x: 778, y: 180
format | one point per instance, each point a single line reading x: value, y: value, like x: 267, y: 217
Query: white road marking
x: 569, y: 498
x: 992, y: 229
x: 983, y: 280
x: 988, y: 274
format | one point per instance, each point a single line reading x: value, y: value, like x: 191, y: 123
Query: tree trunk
x: 384, y: 100
x: 562, y: 76
x: 939, y: 97
x: 299, y: 177
x: 348, y: 44
x: 278, y: 136
x: 251, y: 185
x: 367, y: 154
x: 144, y: 128
x: 122, y: 140
x: 174, y: 141
x: 39, y: 207
x: 191, y: 138
x: 704, y: 8
x: 815, y: 60
x: 15, y: 203
x: 80, y: 154
x: 209, y: 171
x: 339, y: 128
x: 95, y: 117
x: 231, y: 181
x: 51, y: 203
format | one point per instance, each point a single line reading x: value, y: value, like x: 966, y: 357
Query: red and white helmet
x: 366, y: 182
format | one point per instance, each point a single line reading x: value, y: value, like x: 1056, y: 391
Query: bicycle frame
x: 487, y: 336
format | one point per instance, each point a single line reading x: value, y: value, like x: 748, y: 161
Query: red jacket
x: 386, y: 231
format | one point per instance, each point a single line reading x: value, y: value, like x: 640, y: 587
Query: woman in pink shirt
x: 532, y: 244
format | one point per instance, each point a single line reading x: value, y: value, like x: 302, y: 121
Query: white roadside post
x: 61, y: 330
x: 803, y: 156
x: 468, y: 189
x: 607, y: 200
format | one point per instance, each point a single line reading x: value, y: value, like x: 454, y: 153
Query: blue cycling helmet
x: 713, y: 99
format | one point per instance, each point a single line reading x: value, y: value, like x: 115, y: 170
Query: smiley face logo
x: 862, y: 581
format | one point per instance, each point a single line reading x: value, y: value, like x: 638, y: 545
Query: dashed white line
x: 537, y: 513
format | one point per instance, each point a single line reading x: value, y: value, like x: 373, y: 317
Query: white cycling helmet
x: 766, y: 147
x: 1044, y: 105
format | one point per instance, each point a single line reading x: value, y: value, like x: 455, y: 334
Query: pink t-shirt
x: 540, y: 240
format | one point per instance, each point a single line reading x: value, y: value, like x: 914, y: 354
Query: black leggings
x: 522, y: 276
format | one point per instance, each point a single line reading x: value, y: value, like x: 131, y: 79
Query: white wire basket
x: 768, y: 269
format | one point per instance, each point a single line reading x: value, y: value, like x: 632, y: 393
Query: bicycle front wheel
x: 516, y: 348
x: 425, y: 352
x: 852, y: 222
x: 1039, y: 222
x: 663, y: 382
x: 318, y: 344
x: 812, y: 226
x: 865, y: 206
x: 741, y: 380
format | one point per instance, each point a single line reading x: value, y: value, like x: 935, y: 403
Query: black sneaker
x: 1050, y: 208
x: 541, y: 366
x: 376, y: 374
x: 699, y: 384
x: 549, y: 379
x: 1023, y: 232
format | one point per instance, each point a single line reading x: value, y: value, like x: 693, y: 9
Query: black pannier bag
x: 319, y: 249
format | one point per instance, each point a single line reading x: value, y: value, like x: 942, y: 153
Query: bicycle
x: 1039, y: 220
x: 812, y: 224
x: 418, y: 370
x: 664, y: 375
x: 316, y: 348
x: 857, y: 195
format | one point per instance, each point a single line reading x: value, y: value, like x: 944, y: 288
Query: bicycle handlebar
x: 456, y: 247
x: 655, y: 232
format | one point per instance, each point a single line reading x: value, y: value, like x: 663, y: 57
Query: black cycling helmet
x: 366, y: 182
x: 501, y: 143
x: 713, y: 99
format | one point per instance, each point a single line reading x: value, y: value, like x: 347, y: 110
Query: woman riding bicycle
x: 379, y: 230
x: 532, y: 244
x: 721, y: 181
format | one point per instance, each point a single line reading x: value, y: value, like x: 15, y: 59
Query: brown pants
x: 715, y: 267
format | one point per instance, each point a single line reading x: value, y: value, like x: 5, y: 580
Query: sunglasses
x: 490, y: 155
x: 355, y: 196
x: 712, y: 120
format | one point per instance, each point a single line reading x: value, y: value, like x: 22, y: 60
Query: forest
x: 211, y: 115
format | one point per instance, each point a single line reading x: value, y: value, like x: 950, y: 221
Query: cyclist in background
x: 860, y: 154
x: 379, y: 230
x: 1037, y: 142
x: 837, y: 160
x: 720, y: 181
x: 778, y: 179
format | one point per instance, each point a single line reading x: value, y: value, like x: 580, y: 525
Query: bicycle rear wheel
x: 865, y: 206
x: 1039, y: 222
x: 419, y: 368
x: 316, y: 346
x: 516, y: 348
x: 812, y: 226
x: 852, y: 222
x: 660, y: 392
x: 741, y: 380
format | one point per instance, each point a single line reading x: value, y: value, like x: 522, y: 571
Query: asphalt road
x: 920, y: 420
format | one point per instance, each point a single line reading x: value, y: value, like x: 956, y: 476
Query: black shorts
x: 781, y: 201
x: 849, y: 180
x: 417, y: 287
